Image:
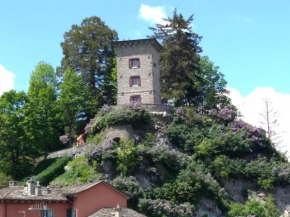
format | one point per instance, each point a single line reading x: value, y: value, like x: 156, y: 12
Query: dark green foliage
x: 72, y: 100
x: 131, y: 187
x: 180, y: 71
x: 170, y: 159
x: 55, y: 167
x: 17, y: 150
x: 87, y: 49
x: 4, y: 180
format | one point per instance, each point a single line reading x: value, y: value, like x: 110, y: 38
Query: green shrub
x: 77, y: 171
x: 4, y: 180
x: 222, y: 166
x: 256, y: 208
x: 96, y: 139
x: 54, y: 169
x: 162, y: 208
x: 131, y: 187
x: 128, y: 157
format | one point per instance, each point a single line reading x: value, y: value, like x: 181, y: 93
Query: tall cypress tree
x: 180, y: 71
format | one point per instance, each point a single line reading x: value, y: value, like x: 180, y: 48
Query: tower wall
x: 149, y: 88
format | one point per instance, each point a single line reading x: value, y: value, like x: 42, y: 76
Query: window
x: 136, y: 80
x: 47, y: 213
x: 71, y: 212
x: 134, y: 63
x: 136, y: 98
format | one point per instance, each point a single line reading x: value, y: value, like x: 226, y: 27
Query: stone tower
x: 138, y: 71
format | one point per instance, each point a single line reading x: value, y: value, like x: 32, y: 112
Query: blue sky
x: 248, y: 39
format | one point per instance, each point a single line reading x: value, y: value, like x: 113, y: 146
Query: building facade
x: 138, y: 71
x: 83, y: 200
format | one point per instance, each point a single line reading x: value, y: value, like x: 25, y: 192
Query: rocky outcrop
x: 208, y: 207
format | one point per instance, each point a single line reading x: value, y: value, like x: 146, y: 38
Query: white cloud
x: 252, y: 105
x: 152, y: 15
x: 6, y: 80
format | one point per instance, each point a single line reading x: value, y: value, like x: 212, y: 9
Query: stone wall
x: 120, y: 131
x: 72, y: 152
x: 149, y: 90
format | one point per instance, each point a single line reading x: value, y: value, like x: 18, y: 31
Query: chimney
x: 118, y: 211
x: 31, y: 187
x: 38, y: 189
x: 48, y: 190
x: 12, y: 183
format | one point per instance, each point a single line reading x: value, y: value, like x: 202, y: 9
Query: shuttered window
x: 135, y: 80
x: 134, y: 63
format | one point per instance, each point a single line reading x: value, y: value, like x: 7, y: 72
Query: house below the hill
x: 85, y: 200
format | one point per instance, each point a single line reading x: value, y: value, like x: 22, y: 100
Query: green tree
x: 72, y: 99
x: 180, y: 71
x: 41, y: 112
x: 87, y: 49
x: 17, y: 151
x: 212, y: 92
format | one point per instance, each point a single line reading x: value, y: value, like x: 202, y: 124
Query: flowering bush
x: 169, y: 158
x: 179, y: 112
x: 88, y: 126
x: 227, y: 114
x: 64, y: 139
x: 106, y: 108
x: 255, y: 134
x: 161, y: 208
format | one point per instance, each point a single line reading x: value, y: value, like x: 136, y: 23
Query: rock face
x: 120, y: 131
x: 237, y: 189
x: 208, y: 207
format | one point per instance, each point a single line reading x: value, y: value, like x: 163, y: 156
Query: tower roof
x: 148, y: 41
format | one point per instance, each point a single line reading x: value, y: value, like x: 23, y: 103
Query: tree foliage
x: 87, y: 50
x: 42, y: 119
x: 72, y: 100
x: 180, y: 71
x: 17, y: 151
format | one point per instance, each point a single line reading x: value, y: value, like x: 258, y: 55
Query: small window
x: 134, y: 63
x: 136, y: 98
x: 71, y: 212
x: 136, y: 80
x: 47, y: 213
